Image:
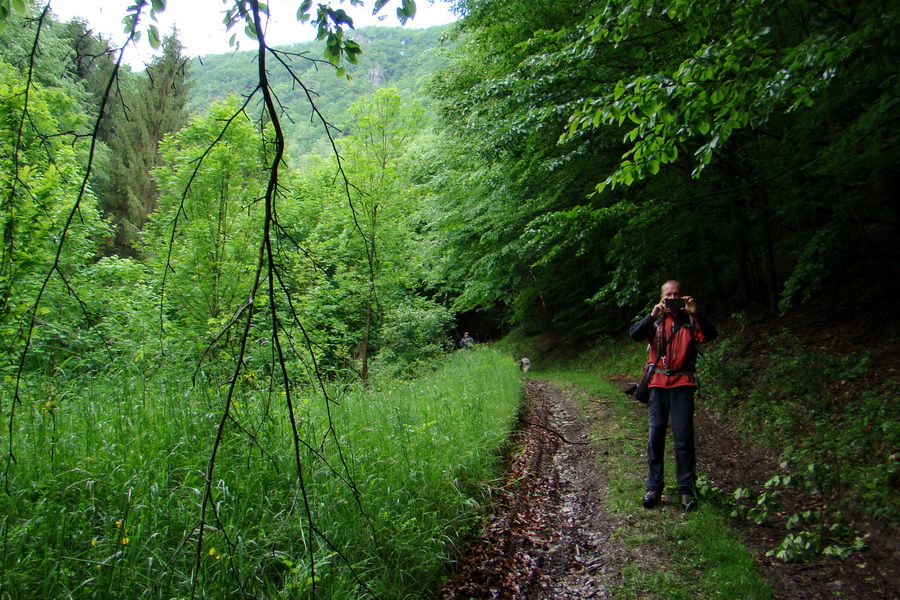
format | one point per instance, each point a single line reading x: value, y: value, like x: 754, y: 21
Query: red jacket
x: 673, y: 346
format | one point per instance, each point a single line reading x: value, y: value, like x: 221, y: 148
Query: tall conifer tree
x: 155, y: 108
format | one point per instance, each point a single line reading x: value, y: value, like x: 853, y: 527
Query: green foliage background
x: 547, y: 163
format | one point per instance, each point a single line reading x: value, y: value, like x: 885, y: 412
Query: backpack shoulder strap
x: 660, y: 337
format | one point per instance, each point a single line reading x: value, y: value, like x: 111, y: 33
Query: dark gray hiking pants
x: 679, y: 403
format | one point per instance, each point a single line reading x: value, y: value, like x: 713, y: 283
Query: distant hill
x: 392, y: 57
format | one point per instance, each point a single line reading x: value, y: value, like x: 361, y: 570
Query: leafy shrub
x: 415, y: 333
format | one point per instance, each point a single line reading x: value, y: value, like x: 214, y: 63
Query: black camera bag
x: 642, y: 393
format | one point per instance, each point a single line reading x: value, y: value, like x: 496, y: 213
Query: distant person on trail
x: 673, y: 328
x: 467, y: 342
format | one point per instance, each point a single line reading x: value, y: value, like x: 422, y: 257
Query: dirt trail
x: 580, y: 561
x: 549, y: 535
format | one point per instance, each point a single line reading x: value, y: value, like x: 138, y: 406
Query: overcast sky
x: 201, y: 31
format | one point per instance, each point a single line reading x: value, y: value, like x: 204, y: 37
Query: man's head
x: 670, y: 294
x: 670, y: 289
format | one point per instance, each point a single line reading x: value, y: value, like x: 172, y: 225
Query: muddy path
x: 549, y: 535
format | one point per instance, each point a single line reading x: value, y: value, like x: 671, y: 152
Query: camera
x: 674, y: 303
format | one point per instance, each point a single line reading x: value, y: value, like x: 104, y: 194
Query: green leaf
x: 340, y: 17
x: 153, y: 34
x: 303, y: 11
x: 332, y: 55
x: 159, y: 5
x: 703, y: 126
x: 671, y: 152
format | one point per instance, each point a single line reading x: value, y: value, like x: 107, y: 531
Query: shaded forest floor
x: 550, y: 533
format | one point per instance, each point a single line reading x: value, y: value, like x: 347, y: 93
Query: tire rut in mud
x: 548, y: 536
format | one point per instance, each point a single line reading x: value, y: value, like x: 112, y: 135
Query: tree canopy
x: 624, y: 143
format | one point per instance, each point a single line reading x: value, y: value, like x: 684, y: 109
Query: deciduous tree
x: 202, y: 238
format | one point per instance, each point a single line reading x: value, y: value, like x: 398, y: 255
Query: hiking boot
x: 688, y: 502
x: 651, y: 499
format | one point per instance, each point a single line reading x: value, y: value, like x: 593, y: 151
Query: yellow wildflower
x: 212, y: 551
x: 94, y: 542
x: 125, y: 541
x: 118, y: 523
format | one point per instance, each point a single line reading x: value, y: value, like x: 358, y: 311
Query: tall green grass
x: 105, y: 492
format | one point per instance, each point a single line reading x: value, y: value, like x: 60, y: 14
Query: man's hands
x: 690, y: 307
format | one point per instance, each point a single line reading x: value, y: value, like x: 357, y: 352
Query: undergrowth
x: 839, y: 436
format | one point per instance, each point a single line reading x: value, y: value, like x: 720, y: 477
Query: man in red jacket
x: 673, y: 328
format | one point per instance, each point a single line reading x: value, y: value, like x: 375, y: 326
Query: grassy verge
x: 671, y: 555
x: 365, y: 495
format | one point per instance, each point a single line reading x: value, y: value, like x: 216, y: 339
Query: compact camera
x: 674, y: 303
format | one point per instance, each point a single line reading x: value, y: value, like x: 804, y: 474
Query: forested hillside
x: 218, y: 277
x: 392, y: 57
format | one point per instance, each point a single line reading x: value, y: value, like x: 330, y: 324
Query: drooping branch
x: 267, y: 269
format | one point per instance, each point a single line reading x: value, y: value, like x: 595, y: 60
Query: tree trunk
x: 768, y: 248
